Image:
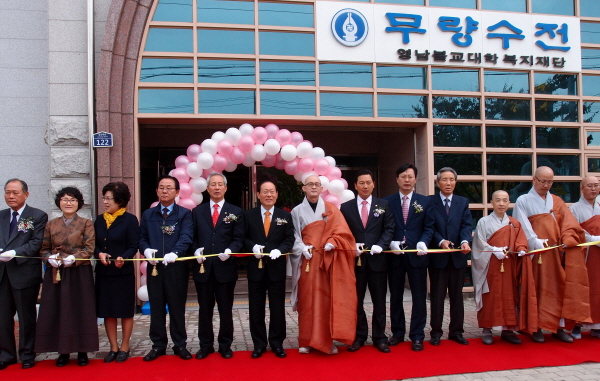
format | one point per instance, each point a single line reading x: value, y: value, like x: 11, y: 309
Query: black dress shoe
x: 382, y: 347
x: 154, y: 354
x: 5, y: 364
x: 392, y: 341
x: 435, y: 341
x: 280, y: 352
x: 62, y: 360
x: 183, y: 353
x: 417, y: 345
x: 26, y: 364
x: 258, y: 352
x: 510, y: 337
x: 82, y: 358
x: 203, y: 353
x: 226, y: 353
x: 459, y: 339
x: 110, y: 357
x: 355, y: 346
x: 122, y: 356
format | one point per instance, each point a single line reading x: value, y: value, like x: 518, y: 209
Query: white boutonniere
x: 25, y: 224
x: 378, y: 211
x: 418, y: 207
x: 230, y: 217
x: 168, y: 229
x: 281, y: 221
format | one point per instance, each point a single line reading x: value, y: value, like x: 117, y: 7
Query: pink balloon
x: 297, y: 138
x: 283, y: 137
x: 182, y: 161
x: 185, y: 190
x: 291, y: 167
x: 224, y: 147
x: 237, y: 155
x: 143, y: 267
x: 260, y: 135
x: 181, y: 175
x: 246, y: 143
x: 334, y: 173
x: 220, y: 163
x: 324, y: 194
x: 280, y: 162
x: 144, y: 279
x: 306, y: 164
x: 207, y: 172
x: 345, y: 182
x: 269, y: 160
x: 193, y: 151
x: 332, y: 199
x: 321, y: 167
x: 154, y: 204
x: 187, y: 203
x: 272, y: 130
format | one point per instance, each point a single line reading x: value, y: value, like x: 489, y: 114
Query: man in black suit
x: 372, y: 224
x: 267, y: 229
x: 447, y: 270
x: 218, y: 229
x: 414, y: 229
x: 21, y: 234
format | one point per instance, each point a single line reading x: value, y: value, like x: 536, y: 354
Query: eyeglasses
x: 313, y: 185
x: 592, y: 186
x: 266, y: 193
x: 69, y: 200
x: 544, y: 182
x: 166, y: 189
x: 107, y: 198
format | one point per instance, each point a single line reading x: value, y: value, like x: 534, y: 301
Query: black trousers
x: 209, y: 292
x: 452, y: 279
x: 169, y: 287
x: 377, y: 283
x: 257, y: 292
x: 23, y: 303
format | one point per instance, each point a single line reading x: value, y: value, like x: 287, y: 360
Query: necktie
x: 215, y: 215
x: 165, y: 213
x: 267, y: 222
x: 364, y: 213
x: 405, y: 208
x: 13, y: 223
x: 447, y: 203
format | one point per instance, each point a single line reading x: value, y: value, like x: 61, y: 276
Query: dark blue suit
x: 447, y: 271
x: 419, y: 227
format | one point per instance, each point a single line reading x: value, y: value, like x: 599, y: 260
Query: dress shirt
x: 359, y: 201
x: 262, y: 213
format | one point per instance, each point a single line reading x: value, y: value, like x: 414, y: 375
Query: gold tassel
x: 58, y: 278
x: 539, y: 259
x: 202, y: 268
x: 307, y: 266
x: 359, y: 263
x: 260, y: 265
x: 154, y: 271
x: 502, y: 266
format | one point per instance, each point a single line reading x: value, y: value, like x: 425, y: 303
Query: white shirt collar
x: 220, y: 203
x: 263, y: 210
x: 359, y: 201
x: 20, y: 211
x: 408, y: 195
x: 444, y: 197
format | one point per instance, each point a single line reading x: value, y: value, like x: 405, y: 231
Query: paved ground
x: 140, y: 343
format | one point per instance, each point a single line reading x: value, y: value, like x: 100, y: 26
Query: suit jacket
x: 120, y: 240
x: 281, y: 237
x: 419, y: 227
x: 455, y: 227
x: 379, y: 231
x: 215, y: 239
x: 23, y: 272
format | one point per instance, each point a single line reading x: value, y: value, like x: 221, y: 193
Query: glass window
x: 285, y: 14
x: 402, y: 106
x: 504, y: 5
x: 591, y: 85
x: 226, y: 102
x: 555, y: 84
x: 167, y: 70
x: 470, y: 4
x: 553, y: 7
x: 169, y: 40
x: 238, y: 41
x: 456, y: 136
x: 287, y: 73
x: 346, y: 104
x: 513, y: 188
x: 552, y: 137
x: 590, y: 59
x: 470, y: 190
x: 452, y: 79
x: 226, y: 71
x: 507, y: 109
x: 593, y: 164
x: 401, y: 77
x: 226, y: 12
x: 179, y: 11
x: 593, y: 139
x: 568, y: 191
x: 166, y: 101
x: 345, y: 75
x: 287, y: 44
x: 590, y: 32
x: 407, y: 2
x: 589, y: 8
x: 556, y: 111
x: 506, y: 81
x: 287, y: 103
x: 456, y: 107
x: 509, y: 165
x: 507, y: 137
x: 590, y: 112
x: 463, y: 163
x: 563, y: 165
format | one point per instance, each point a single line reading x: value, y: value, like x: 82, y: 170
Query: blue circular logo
x: 349, y: 27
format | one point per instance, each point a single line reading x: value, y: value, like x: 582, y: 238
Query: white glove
x: 522, y: 253
x: 149, y: 254
x: 69, y: 261
x: 395, y: 246
x: 257, y: 249
x: 539, y: 243
x: 329, y: 246
x: 306, y: 252
x: 199, y: 251
x: 225, y: 255
x: 498, y: 252
x: 359, y: 249
x: 7, y: 255
x: 275, y: 253
x: 422, y: 248
x: 595, y: 238
x: 53, y: 260
x: 170, y: 258
x: 376, y: 249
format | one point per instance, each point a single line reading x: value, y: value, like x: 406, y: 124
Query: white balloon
x: 218, y: 136
x: 197, y: 197
x: 272, y: 147
x: 142, y: 293
x: 194, y: 170
x: 249, y: 161
x: 177, y: 198
x: 258, y: 152
x: 306, y: 175
x: 231, y: 166
x: 171, y: 172
x: 347, y: 195
x: 209, y: 146
x: 317, y: 153
x: 246, y: 129
x: 336, y: 187
x: 198, y: 185
x: 205, y: 160
x: 233, y: 135
x: 331, y: 161
x: 324, y: 182
x: 298, y: 176
x: 304, y: 149
x: 288, y: 152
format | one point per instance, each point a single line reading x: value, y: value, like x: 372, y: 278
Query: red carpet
x: 366, y: 364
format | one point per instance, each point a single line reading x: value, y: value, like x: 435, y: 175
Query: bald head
x: 590, y: 186
x: 543, y: 180
x: 312, y: 188
x: 544, y: 171
x: 500, y: 201
x: 499, y: 193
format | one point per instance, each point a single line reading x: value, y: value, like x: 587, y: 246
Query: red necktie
x: 405, y: 208
x: 215, y: 215
x: 364, y: 213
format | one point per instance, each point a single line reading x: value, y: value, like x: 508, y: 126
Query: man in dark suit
x: 267, y: 229
x: 447, y: 270
x: 218, y: 229
x: 166, y: 231
x: 414, y: 230
x: 372, y: 224
x: 21, y: 234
